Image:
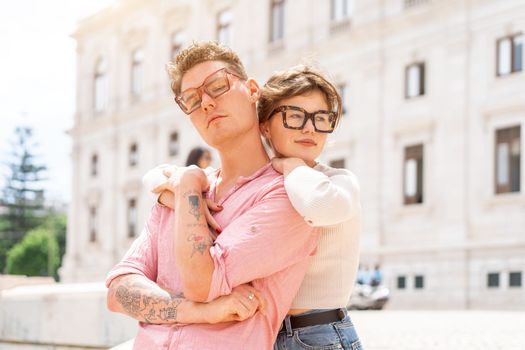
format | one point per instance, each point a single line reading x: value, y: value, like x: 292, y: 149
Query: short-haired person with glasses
x: 297, y: 110
x: 179, y: 279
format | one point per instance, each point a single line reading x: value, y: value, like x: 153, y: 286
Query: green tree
x: 23, y: 195
x: 36, y: 255
x: 56, y: 223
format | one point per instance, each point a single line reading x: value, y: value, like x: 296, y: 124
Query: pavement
x: 429, y: 330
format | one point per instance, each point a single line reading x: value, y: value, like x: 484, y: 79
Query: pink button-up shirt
x: 264, y: 240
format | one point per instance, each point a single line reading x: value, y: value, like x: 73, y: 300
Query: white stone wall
x: 461, y: 230
x: 60, y: 316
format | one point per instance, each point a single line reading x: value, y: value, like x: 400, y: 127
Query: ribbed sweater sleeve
x: 323, y: 196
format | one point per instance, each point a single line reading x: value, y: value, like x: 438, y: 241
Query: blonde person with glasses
x: 177, y: 269
x: 298, y: 109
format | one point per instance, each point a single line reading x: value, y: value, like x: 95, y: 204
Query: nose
x: 207, y: 103
x: 309, y: 126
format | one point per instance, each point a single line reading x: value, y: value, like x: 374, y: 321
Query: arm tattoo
x: 195, y: 208
x: 200, y: 243
x: 139, y: 301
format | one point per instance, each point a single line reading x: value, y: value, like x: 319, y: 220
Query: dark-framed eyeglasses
x: 216, y: 84
x: 296, y: 118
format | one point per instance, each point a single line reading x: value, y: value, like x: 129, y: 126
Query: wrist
x: 194, y: 179
x: 291, y: 164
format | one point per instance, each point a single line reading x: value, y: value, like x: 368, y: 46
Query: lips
x: 213, y: 117
x: 306, y: 142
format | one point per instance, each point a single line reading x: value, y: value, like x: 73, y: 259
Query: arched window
x: 173, y: 146
x: 93, y: 225
x: 133, y: 155
x: 132, y: 218
x: 100, y: 84
x: 94, y: 165
x: 178, y: 40
x: 137, y: 74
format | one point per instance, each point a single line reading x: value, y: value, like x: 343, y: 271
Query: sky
x: 37, y: 80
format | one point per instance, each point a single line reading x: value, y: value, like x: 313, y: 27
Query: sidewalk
x: 433, y: 330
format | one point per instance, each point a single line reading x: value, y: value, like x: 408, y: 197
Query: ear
x: 254, y: 88
x: 265, y: 130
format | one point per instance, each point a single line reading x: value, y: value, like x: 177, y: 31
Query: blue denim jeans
x: 335, y: 335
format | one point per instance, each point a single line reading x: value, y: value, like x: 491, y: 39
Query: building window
x: 508, y: 159
x: 277, y: 20
x: 412, y: 3
x: 94, y: 165
x: 340, y: 10
x: 93, y: 224
x: 510, y: 54
x: 177, y: 43
x: 224, y: 32
x: 338, y: 163
x: 132, y: 218
x: 415, y: 80
x: 137, y: 72
x: 413, y: 175
x: 100, y: 84
x: 343, y: 91
x: 173, y: 146
x: 493, y: 280
x: 419, y: 282
x: 515, y: 279
x: 401, y: 282
x: 133, y: 155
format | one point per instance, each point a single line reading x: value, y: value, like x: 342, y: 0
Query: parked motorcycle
x: 366, y: 297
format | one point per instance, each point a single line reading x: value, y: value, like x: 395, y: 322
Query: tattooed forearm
x: 144, y: 303
x: 200, y: 243
x: 195, y: 206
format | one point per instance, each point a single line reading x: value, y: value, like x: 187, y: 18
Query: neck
x: 242, y: 158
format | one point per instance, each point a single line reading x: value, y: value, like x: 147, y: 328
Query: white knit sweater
x: 328, y: 198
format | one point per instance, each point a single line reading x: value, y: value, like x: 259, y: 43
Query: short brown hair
x: 296, y: 81
x: 199, y: 52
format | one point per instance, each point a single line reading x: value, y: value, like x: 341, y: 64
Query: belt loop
x: 342, y: 313
x: 288, y: 325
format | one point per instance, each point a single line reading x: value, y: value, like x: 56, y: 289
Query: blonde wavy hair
x: 199, y: 52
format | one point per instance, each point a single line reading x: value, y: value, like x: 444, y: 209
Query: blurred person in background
x: 200, y: 157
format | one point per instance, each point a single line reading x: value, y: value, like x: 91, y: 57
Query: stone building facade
x: 434, y: 113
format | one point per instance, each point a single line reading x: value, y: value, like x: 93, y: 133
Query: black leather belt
x: 315, y: 319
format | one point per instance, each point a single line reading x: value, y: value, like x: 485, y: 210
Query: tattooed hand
x: 174, y: 176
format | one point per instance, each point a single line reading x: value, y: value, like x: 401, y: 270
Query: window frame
x: 224, y: 26
x: 512, y: 63
x: 421, y: 66
x: 170, y: 143
x: 520, y: 279
x: 493, y: 280
x: 133, y: 157
x: 403, y: 285
x: 132, y: 214
x: 507, y: 135
x: 416, y: 152
x: 280, y: 5
x: 100, y: 82
x: 93, y: 224
x: 137, y: 72
x: 417, y: 279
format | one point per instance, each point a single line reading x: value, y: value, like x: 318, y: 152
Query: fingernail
x: 220, y: 207
x: 218, y: 230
